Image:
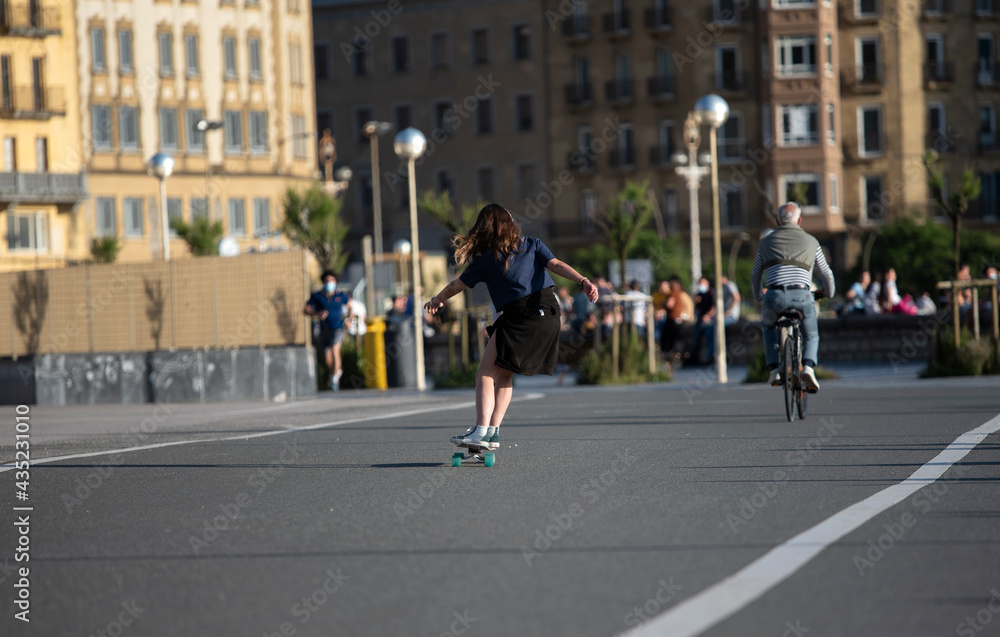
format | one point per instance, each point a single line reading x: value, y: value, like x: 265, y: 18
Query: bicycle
x: 789, y: 326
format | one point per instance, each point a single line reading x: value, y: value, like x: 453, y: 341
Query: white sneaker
x: 774, y: 380
x: 808, y: 379
x: 335, y: 381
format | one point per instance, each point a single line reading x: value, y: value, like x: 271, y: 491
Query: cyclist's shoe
x: 808, y: 379
x: 774, y: 380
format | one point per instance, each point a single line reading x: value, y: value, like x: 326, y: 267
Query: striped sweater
x: 791, y: 275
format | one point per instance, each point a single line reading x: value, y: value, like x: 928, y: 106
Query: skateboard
x: 476, y: 453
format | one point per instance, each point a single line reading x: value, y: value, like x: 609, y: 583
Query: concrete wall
x: 277, y: 374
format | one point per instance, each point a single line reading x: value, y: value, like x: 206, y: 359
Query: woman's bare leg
x: 493, y: 388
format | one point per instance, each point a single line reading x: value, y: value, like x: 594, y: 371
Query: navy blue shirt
x: 334, y: 305
x: 525, y: 275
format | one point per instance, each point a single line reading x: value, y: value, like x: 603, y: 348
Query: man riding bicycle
x: 786, y: 258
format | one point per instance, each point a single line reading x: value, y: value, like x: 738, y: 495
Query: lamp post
x: 204, y: 126
x: 692, y: 174
x: 161, y: 165
x: 409, y: 145
x: 713, y: 111
x: 372, y: 130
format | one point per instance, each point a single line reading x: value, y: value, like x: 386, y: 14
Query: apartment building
x: 42, y: 181
x: 469, y: 75
x: 150, y: 71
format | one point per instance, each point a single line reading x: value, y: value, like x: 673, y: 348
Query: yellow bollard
x: 375, y: 375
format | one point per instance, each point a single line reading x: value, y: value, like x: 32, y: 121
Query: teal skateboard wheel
x: 489, y: 459
x: 456, y: 460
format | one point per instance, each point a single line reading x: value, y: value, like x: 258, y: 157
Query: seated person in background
x: 854, y: 298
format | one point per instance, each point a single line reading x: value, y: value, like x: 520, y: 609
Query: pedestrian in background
x: 330, y: 307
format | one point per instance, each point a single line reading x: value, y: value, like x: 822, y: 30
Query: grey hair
x: 789, y: 213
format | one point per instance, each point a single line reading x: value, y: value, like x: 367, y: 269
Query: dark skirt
x: 527, y: 334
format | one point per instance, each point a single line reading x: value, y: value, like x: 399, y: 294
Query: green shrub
x: 972, y: 358
x: 458, y: 377
x: 105, y: 249
x: 596, y: 368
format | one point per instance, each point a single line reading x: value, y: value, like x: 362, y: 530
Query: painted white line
x: 709, y: 607
x: 262, y: 434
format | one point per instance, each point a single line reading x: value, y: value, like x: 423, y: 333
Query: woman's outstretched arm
x: 565, y: 270
x: 437, y: 301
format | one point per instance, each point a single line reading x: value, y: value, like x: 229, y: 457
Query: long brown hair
x: 495, y: 230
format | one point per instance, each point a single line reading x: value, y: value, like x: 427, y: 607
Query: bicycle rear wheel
x: 801, y: 397
x: 787, y: 361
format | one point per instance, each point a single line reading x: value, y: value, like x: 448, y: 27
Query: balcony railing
x: 581, y: 161
x: 989, y: 143
x: 661, y: 86
x: 936, y: 9
x: 622, y: 158
x: 987, y: 73
x: 31, y: 102
x: 939, y: 73
x: 577, y: 27
x: 731, y: 16
x: 29, y: 20
x: 622, y: 90
x: 659, y: 19
x: 733, y: 82
x: 662, y: 155
x: 618, y: 23
x: 579, y: 95
x: 43, y: 187
x: 863, y: 78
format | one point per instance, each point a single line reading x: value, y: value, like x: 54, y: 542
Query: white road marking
x: 714, y: 604
x: 262, y: 434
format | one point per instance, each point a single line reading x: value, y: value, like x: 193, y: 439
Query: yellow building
x: 41, y: 183
x: 150, y: 71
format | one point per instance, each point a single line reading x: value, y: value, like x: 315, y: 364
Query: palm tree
x: 312, y: 221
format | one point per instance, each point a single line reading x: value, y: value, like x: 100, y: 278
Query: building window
x: 988, y: 127
x: 867, y: 51
x: 446, y: 182
x: 588, y: 212
x: 442, y: 110
x: 726, y: 12
x: 731, y: 144
x: 828, y: 41
x: 986, y: 59
x: 803, y: 189
x: 834, y: 192
x: 484, y: 117
x: 166, y: 40
x: 261, y: 216
x: 195, y: 139
x: 870, y: 120
x: 359, y: 57
x: 362, y: 115
x: 27, y: 231
x: 480, y: 46
x: 522, y: 41
x: 527, y: 181
x: 175, y: 214
x: 866, y: 8
x: 794, y: 4
x: 984, y: 7
x: 796, y: 55
x: 666, y: 146
x: 733, y: 208
x: 524, y: 113
x: 321, y: 61
x: 9, y: 154
x: 100, y: 125
x: 258, y: 132
x: 485, y: 183
x: 400, y: 54
x: 128, y: 128
x: 199, y: 208
x: 831, y: 122
x: 439, y: 51
x: 299, y: 136
x: 872, y: 190
x: 671, y: 210
x: 234, y: 132
x: 989, y: 199
x: 125, y: 51
x: 366, y: 194
x: 98, y: 55
x: 324, y: 122
x: 192, y: 64
x: 253, y: 50
x: 41, y: 154
x: 168, y: 128
x: 626, y: 149
x: 403, y: 114
x: 106, y: 222
x: 237, y: 217
x: 728, y: 72
x: 229, y: 56
x: 133, y: 216
x: 799, y: 125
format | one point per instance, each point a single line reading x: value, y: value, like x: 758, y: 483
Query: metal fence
x: 254, y: 300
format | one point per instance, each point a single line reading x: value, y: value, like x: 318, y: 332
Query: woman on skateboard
x: 525, y: 338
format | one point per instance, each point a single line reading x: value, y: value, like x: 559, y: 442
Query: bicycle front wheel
x: 789, y: 377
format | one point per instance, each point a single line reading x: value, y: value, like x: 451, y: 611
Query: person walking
x: 525, y: 337
x: 329, y: 306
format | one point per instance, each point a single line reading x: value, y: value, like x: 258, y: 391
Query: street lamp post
x: 692, y: 174
x: 204, y: 126
x: 161, y: 165
x: 409, y: 145
x: 713, y: 111
x: 372, y: 130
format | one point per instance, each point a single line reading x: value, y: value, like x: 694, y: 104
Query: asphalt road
x: 607, y: 507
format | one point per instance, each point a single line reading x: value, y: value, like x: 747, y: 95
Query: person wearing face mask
x: 704, y: 325
x: 787, y: 259
x: 329, y: 306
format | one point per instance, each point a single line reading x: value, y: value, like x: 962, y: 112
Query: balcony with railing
x: 987, y: 74
x: 576, y: 28
x: 618, y: 24
x: 863, y: 78
x: 659, y: 20
x: 620, y: 91
x: 733, y: 82
x: 662, y: 87
x: 662, y: 155
x: 936, y: 10
x: 728, y: 14
x: 989, y: 143
x: 67, y: 188
x: 622, y: 158
x: 30, y: 19
x: 581, y: 161
x: 579, y: 95
x: 31, y: 102
x: 938, y: 75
